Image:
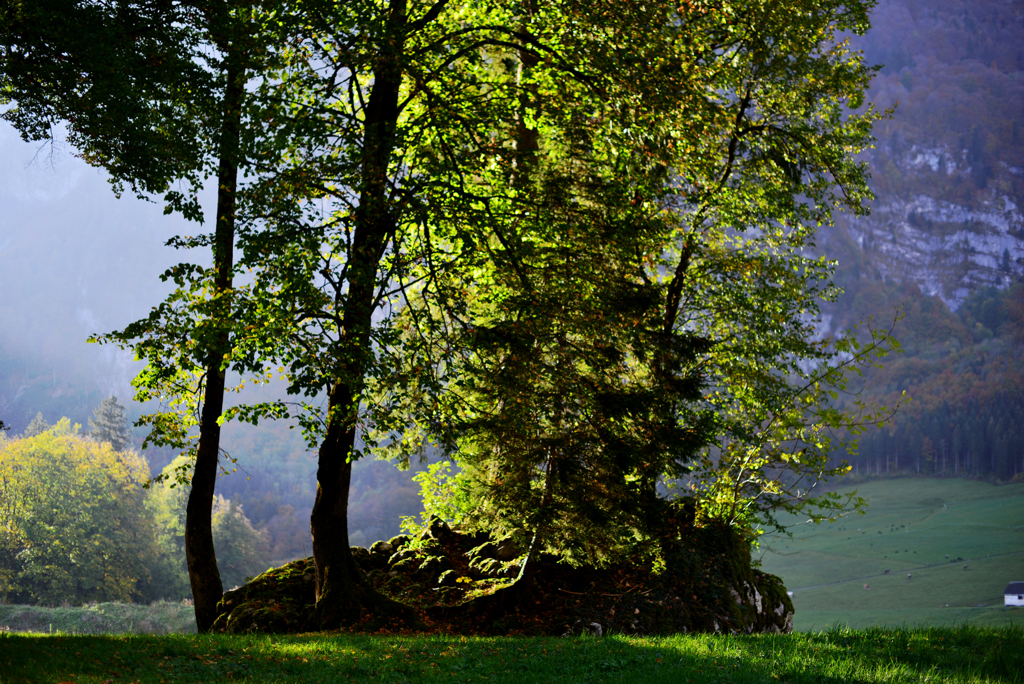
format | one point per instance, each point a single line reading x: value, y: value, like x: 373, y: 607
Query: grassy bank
x: 929, y: 528
x: 966, y: 654
x: 161, y: 617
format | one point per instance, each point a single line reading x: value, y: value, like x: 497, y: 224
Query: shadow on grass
x: 837, y: 655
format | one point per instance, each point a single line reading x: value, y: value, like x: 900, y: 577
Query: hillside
x: 928, y: 551
x: 947, y: 167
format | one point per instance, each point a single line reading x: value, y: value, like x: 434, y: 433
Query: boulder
x: 398, y: 541
x: 279, y: 600
x: 507, y: 550
x: 382, y: 548
x: 705, y: 583
x: 437, y: 529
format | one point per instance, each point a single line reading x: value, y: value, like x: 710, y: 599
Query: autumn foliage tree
x: 74, y: 524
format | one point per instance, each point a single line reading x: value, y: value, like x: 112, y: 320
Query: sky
x: 74, y: 260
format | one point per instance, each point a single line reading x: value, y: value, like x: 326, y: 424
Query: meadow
x: 911, y: 526
x: 159, y: 617
x: 927, y: 528
x: 966, y: 654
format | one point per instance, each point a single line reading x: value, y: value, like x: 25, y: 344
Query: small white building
x: 1014, y: 594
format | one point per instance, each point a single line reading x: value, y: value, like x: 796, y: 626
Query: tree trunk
x: 338, y: 580
x: 203, y: 573
x: 341, y: 591
x: 524, y: 581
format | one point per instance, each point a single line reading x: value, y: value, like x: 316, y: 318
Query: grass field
x: 967, y: 655
x: 160, y: 617
x: 929, y: 528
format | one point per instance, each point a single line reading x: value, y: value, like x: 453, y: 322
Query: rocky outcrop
x: 466, y: 583
x: 948, y: 249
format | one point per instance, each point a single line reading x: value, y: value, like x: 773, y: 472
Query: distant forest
x: 963, y: 373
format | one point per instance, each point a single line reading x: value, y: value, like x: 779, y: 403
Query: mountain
x: 948, y: 168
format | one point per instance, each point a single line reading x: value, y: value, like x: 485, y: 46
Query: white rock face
x: 949, y: 250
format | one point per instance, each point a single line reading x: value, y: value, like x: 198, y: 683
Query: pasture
x: 966, y: 654
x: 929, y: 528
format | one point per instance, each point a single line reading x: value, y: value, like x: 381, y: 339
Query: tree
x: 414, y: 142
x: 154, y: 94
x: 241, y: 549
x: 109, y: 424
x: 37, y: 426
x: 384, y: 146
x: 603, y: 350
x: 74, y: 525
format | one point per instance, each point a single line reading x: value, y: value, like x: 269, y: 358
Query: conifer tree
x: 37, y: 427
x: 109, y: 424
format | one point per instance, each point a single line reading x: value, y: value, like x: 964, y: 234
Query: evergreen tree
x: 37, y: 427
x: 109, y: 424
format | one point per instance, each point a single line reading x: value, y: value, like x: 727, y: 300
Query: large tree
x: 656, y: 309
x: 410, y: 151
x: 154, y: 94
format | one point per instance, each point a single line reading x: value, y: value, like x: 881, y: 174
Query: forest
x: 574, y: 255
x: 964, y: 372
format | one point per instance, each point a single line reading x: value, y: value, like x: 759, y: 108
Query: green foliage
x: 443, y: 494
x: 132, y: 82
x: 109, y: 424
x: 74, y: 524
x: 242, y: 551
x: 166, y: 504
x: 644, y: 303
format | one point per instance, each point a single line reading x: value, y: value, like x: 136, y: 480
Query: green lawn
x: 917, y: 526
x: 967, y: 654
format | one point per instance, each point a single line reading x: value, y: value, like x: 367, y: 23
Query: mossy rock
x: 707, y: 584
x: 398, y: 541
x: 439, y: 529
x: 381, y: 549
x: 448, y: 578
x: 279, y: 600
x: 431, y: 567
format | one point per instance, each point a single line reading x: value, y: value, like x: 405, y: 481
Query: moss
x: 707, y: 585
